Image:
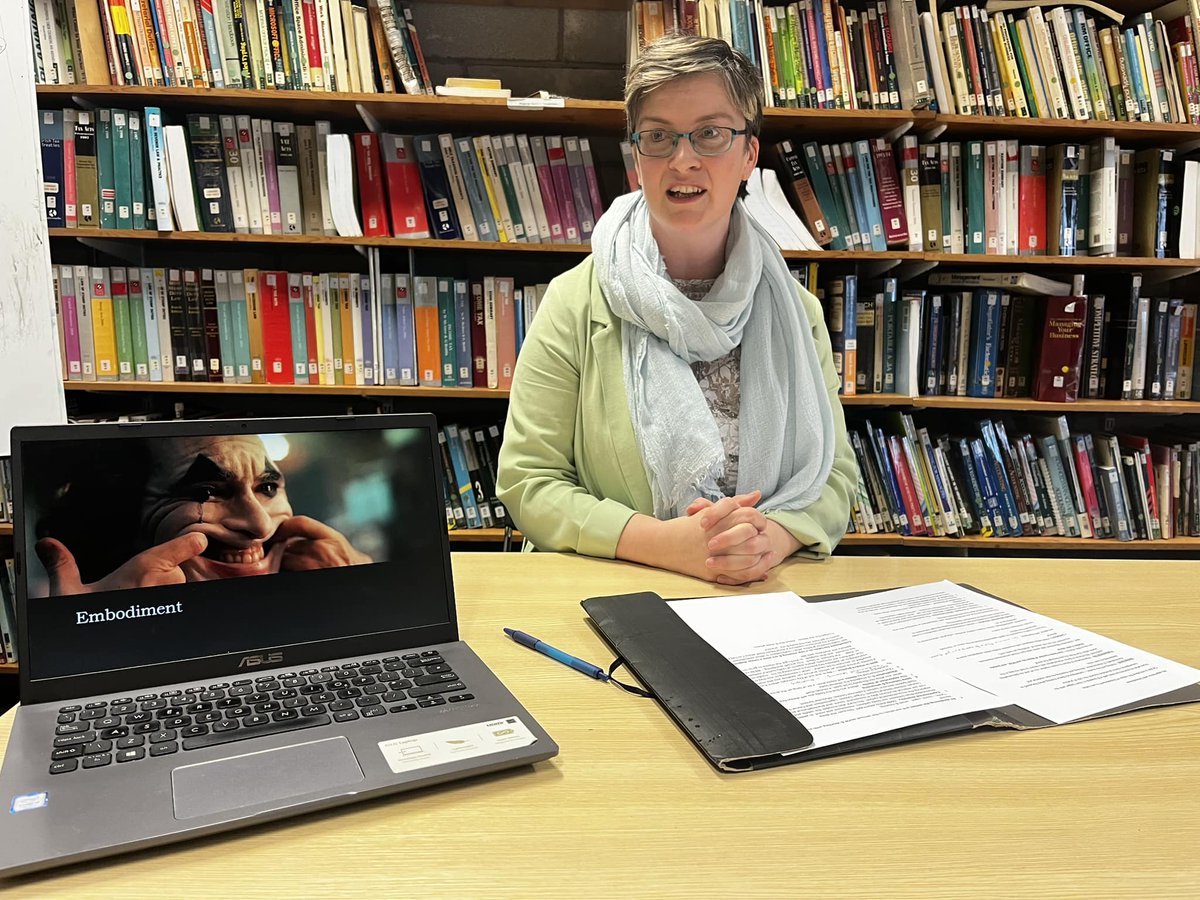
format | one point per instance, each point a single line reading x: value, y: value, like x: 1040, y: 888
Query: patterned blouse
x: 720, y: 381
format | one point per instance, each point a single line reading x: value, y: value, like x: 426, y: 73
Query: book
x: 688, y: 651
x: 1060, y: 357
x: 1023, y: 282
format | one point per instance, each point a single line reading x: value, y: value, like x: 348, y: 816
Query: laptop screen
x: 160, y: 544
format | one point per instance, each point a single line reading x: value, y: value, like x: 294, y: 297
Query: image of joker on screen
x: 210, y: 508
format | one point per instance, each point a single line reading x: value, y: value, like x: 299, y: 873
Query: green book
x: 137, y: 171
x: 1023, y: 67
x: 295, y: 288
x: 510, y: 197
x: 337, y: 285
x: 119, y: 288
x: 445, y: 302
x: 976, y: 203
x: 104, y: 166
x: 122, y: 170
x: 241, y: 328
x: 829, y: 200
x: 137, y: 326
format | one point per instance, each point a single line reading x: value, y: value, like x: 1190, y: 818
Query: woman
x: 675, y: 401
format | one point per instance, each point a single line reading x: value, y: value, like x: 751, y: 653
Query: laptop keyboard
x: 127, y: 729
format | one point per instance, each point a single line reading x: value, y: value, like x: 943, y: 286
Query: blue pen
x: 566, y: 659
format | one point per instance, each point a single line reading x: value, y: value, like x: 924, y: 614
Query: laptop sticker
x: 26, y: 802
x: 434, y: 748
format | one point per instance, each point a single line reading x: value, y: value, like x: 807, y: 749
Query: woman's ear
x: 751, y: 157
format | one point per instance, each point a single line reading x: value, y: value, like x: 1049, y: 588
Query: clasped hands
x: 738, y: 543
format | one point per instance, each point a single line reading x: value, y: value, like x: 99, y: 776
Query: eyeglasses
x: 710, y: 140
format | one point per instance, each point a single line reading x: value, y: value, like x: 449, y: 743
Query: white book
x: 458, y: 188
x: 1076, y: 88
x: 249, y: 172
x: 163, y: 320
x: 323, y: 131
x: 910, y: 179
x: 490, y: 300
x: 773, y: 194
x: 231, y: 60
x: 233, y: 174
x: 258, y: 9
x: 535, y: 192
x: 171, y: 17
x: 87, y: 345
x: 516, y: 174
x: 963, y: 97
x: 1047, y: 64
x: 260, y: 130
x: 340, y: 167
x: 179, y: 178
x: 338, y: 19
x: 1102, y: 206
x: 156, y: 151
x: 938, y: 73
x: 362, y: 47
x: 1188, y: 211
x: 1012, y: 192
x: 964, y: 342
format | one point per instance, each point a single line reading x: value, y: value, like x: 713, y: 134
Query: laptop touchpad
x: 251, y: 779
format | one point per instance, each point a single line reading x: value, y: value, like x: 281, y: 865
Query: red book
x: 276, y: 327
x: 1083, y: 467
x: 891, y: 197
x: 312, y: 41
x: 1031, y: 216
x: 479, y: 375
x: 908, y: 494
x: 405, y: 197
x: 310, y: 328
x: 370, y: 185
x: 1060, y: 357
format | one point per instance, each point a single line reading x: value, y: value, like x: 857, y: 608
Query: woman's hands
x: 727, y: 542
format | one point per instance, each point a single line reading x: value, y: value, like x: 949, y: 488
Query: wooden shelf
x: 482, y: 536
x: 6, y: 529
x: 977, y: 260
x: 409, y: 113
x: 815, y: 124
x: 1025, y: 404
x: 1013, y: 404
x: 1088, y: 545
x: 1056, y: 131
x: 202, y: 237
x: 206, y: 387
x: 8, y: 668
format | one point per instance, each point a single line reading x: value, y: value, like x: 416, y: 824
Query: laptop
x: 227, y: 622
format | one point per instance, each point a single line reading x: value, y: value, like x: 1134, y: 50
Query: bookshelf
x: 605, y: 119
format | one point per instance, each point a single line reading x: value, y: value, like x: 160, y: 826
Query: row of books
x: 986, y: 341
x: 469, y: 461
x: 1068, y: 64
x: 8, y: 616
x: 995, y: 197
x: 1046, y: 480
x: 811, y: 54
x: 1061, y: 62
x: 126, y: 169
x: 311, y: 45
x: 246, y: 326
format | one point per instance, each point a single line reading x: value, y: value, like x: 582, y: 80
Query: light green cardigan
x: 570, y: 470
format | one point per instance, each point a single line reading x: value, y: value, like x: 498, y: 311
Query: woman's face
x: 691, y: 195
x: 225, y: 488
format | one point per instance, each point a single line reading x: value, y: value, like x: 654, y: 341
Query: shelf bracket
x: 1162, y: 276
x: 873, y: 268
x: 132, y: 252
x: 898, y: 132
x: 83, y: 102
x: 369, y: 119
x: 914, y: 268
x: 933, y: 133
x: 1184, y: 149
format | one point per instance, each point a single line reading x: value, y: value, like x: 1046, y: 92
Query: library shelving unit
x: 606, y: 119
x: 6, y: 539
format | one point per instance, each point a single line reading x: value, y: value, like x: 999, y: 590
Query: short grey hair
x: 677, y: 55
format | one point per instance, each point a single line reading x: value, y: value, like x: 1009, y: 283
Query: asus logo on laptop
x: 260, y: 659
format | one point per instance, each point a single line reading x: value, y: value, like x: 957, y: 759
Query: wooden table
x: 630, y: 809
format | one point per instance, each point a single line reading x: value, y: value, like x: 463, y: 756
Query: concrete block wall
x: 577, y: 53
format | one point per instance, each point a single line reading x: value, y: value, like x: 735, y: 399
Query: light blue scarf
x: 785, y: 421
